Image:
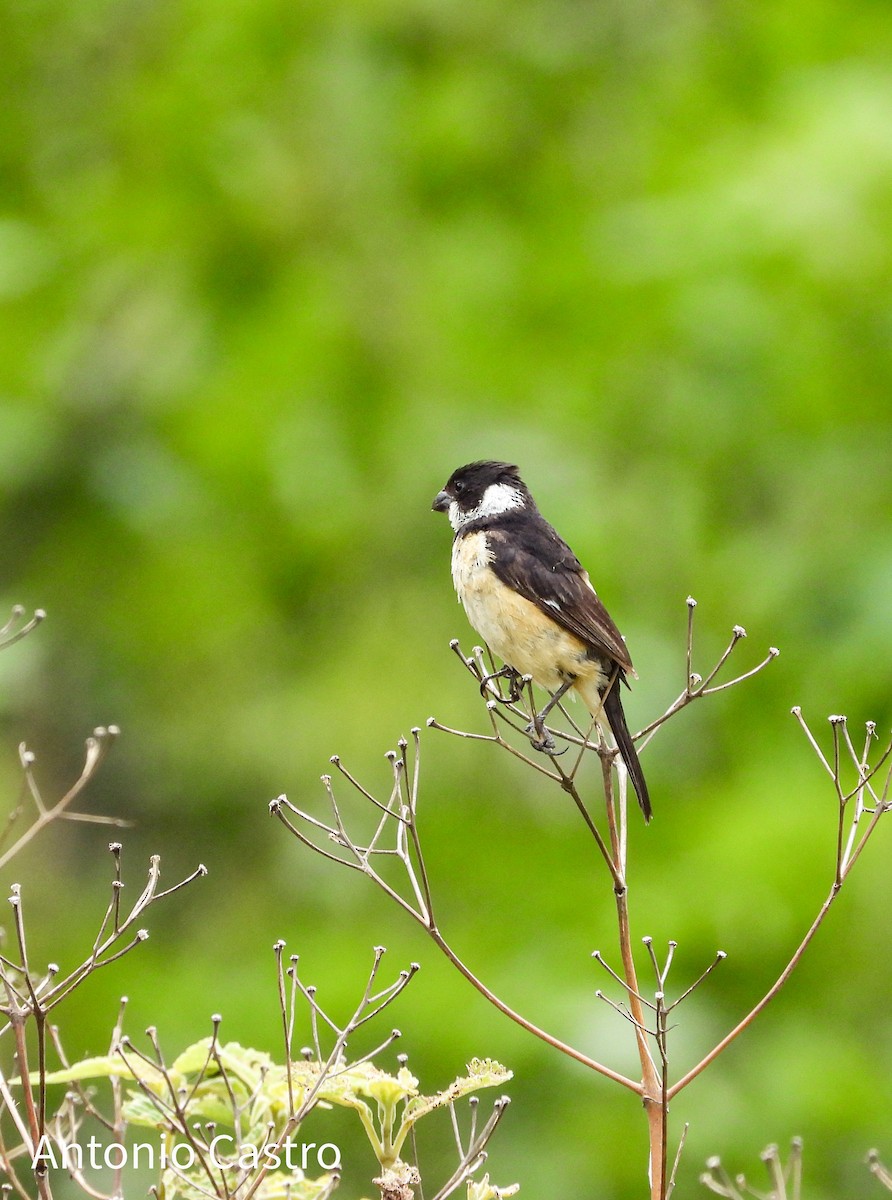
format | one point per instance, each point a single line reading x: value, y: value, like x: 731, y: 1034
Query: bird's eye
x: 458, y: 487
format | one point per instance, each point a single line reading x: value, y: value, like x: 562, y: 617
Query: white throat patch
x: 498, y: 498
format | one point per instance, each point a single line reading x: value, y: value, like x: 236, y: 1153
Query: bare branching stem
x: 14, y: 629
x: 515, y: 727
x: 420, y: 905
x: 847, y: 854
x: 473, y: 1157
x: 96, y: 748
x: 610, y: 858
x: 651, y: 1087
x: 528, y: 1025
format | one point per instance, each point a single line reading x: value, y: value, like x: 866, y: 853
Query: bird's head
x: 481, y: 490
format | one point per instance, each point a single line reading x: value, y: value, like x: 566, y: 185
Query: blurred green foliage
x: 271, y: 271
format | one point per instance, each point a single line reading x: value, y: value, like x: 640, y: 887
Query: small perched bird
x: 527, y: 595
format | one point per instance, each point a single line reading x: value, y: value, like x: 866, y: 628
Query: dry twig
x: 510, y: 706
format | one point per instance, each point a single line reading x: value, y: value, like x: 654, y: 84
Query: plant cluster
x: 860, y: 784
x: 226, y: 1118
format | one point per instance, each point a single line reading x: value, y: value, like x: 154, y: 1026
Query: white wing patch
x: 553, y: 604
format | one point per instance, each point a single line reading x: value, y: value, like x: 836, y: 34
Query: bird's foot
x: 541, y: 739
x: 514, y: 685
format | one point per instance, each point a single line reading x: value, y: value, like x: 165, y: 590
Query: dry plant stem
x: 287, y: 1011
x: 14, y: 1183
x: 97, y: 747
x: 67, y: 1135
x: 652, y: 1085
x: 173, y: 1110
x: 401, y: 810
x: 30, y: 997
x: 101, y: 954
x: 18, y: 1018
x: 785, y: 1181
x: 861, y: 806
x: 611, y: 859
x: 172, y: 1103
x: 654, y: 1088
x: 696, y: 687
x: 877, y: 1169
x: 794, y: 1168
x: 422, y: 913
x: 525, y: 1023
x: 763, y: 1003
x: 670, y: 1187
x: 662, y: 1032
x: 8, y: 632
x: 370, y: 1004
x: 475, y: 1155
x: 847, y: 854
x: 12, y: 1108
x: 34, y: 1120
x: 116, y: 1125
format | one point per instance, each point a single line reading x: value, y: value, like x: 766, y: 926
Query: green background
x: 269, y: 272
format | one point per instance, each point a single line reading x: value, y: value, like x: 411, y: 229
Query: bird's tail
x: 613, y: 710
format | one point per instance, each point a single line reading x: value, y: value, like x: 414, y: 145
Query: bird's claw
x: 513, y: 690
x: 541, y: 739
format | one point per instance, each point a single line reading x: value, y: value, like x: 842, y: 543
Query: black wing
x: 531, y: 558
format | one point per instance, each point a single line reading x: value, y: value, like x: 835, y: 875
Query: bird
x: 527, y: 595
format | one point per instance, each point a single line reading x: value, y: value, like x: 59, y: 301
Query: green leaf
x: 109, y: 1066
x: 482, y: 1073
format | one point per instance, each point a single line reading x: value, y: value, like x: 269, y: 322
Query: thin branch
x: 737, y: 633
x: 763, y: 1003
x: 879, y: 1170
x: 9, y: 635
x: 697, y: 686
x: 772, y: 654
x: 474, y: 1156
x: 549, y: 1039
x: 96, y: 748
x: 670, y: 1187
x: 720, y: 956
